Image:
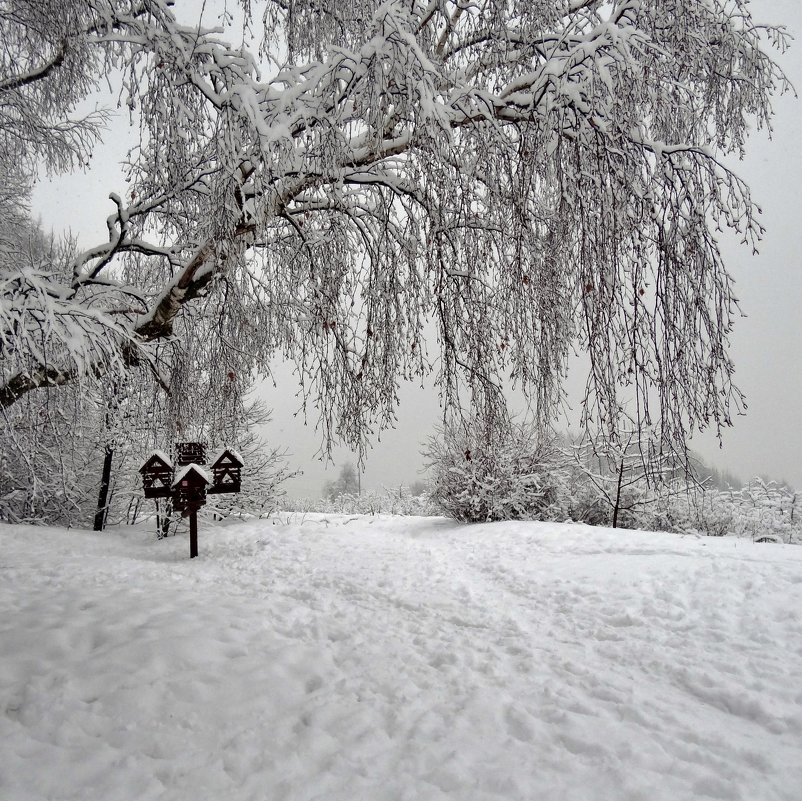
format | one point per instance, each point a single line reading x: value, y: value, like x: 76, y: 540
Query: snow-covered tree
x: 347, y: 483
x: 530, y: 175
x: 50, y: 458
x: 629, y: 471
x: 70, y: 453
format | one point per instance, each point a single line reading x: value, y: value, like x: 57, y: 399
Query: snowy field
x: 398, y: 659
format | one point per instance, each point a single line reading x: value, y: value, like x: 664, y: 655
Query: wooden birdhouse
x: 189, y: 488
x: 157, y: 475
x: 190, y: 485
x: 227, y: 472
x: 190, y: 453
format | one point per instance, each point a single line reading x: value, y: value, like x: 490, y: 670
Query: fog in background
x: 766, y: 344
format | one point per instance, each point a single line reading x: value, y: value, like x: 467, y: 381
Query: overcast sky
x: 766, y: 345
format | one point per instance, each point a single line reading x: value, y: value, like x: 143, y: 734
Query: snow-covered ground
x: 398, y: 659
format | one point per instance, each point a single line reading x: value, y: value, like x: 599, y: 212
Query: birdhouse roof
x: 157, y: 456
x: 192, y: 471
x: 228, y: 454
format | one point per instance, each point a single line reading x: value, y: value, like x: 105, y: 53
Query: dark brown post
x: 193, y: 532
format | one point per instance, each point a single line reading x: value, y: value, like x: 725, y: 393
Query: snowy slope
x: 398, y: 659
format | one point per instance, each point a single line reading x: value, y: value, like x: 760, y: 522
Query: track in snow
x: 399, y: 659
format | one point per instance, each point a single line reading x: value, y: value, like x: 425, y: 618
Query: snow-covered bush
x: 770, y: 510
x: 761, y: 511
x: 506, y: 471
x: 709, y: 512
x: 399, y: 501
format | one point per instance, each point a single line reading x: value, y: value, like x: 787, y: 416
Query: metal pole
x: 193, y: 533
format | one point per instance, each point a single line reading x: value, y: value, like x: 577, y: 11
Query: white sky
x: 766, y: 345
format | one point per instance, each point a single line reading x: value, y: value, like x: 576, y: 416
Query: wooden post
x: 193, y: 532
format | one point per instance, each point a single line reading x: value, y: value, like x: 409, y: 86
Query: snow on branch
x: 528, y: 182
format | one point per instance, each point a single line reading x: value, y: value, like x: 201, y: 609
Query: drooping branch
x: 38, y: 74
x: 534, y: 184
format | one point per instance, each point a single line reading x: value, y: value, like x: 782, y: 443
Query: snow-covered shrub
x: 499, y: 472
x: 399, y: 501
x: 768, y: 510
x: 709, y: 512
x: 384, y: 501
x: 639, y: 506
x: 761, y: 510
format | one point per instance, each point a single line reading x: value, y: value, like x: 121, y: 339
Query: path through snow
x: 331, y: 658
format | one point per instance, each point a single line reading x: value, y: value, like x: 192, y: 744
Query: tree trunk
x: 163, y: 518
x: 133, y: 511
x: 103, y: 495
x: 618, y: 494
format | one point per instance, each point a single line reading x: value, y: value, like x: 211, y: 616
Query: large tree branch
x: 32, y: 76
x: 189, y: 284
x: 22, y: 383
